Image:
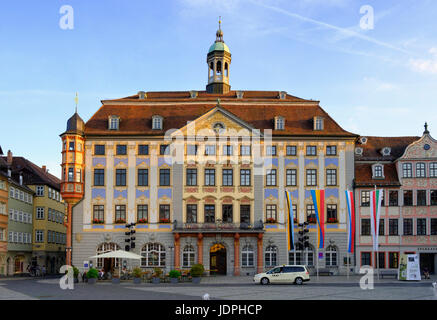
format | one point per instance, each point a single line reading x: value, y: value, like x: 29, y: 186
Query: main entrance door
x: 217, y: 262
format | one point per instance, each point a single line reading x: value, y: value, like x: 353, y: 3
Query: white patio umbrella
x: 120, y: 254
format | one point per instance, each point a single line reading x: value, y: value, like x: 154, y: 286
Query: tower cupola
x: 219, y: 61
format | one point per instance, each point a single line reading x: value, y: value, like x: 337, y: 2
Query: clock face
x: 426, y: 147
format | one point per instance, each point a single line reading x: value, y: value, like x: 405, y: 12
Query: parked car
x: 297, y: 274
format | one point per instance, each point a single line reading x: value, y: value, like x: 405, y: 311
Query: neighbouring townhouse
x: 203, y: 174
x: 3, y: 218
x: 405, y: 168
x: 49, y: 231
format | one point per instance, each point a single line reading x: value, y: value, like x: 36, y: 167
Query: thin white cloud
x: 425, y: 65
x: 345, y: 31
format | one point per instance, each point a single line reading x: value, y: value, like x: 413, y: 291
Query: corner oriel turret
x: 219, y: 60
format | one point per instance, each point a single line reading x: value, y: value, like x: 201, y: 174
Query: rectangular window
x: 393, y: 198
x: 271, y: 150
x: 120, y: 177
x: 227, y: 150
x: 393, y: 227
x: 311, y: 177
x: 311, y: 214
x: 271, y: 213
x: 142, y: 213
x: 164, y: 177
x: 331, y: 177
x: 191, y: 149
x: 191, y: 213
x: 98, y: 213
x: 244, y: 213
x: 71, y: 146
x: 210, y: 150
x: 433, y: 170
x: 271, y: 177
x: 143, y: 177
x: 291, y: 150
x: 245, y: 177
x: 331, y: 150
x: 164, y: 213
x: 120, y: 213
x: 121, y: 149
x: 143, y: 149
x: 421, y: 227
x: 99, y: 149
x: 227, y: 177
x: 420, y: 170
x: 366, y: 259
x: 191, y: 177
x: 311, y: 151
x: 227, y: 213
x: 377, y: 171
x: 408, y: 227
x: 433, y: 197
x: 99, y: 177
x: 331, y: 213
x: 365, y: 198
x: 408, y: 197
x: 393, y: 260
x: 164, y: 149
x: 382, y: 227
x: 365, y: 227
x: 421, y: 198
x: 433, y: 226
x: 71, y: 174
x: 209, y: 177
x: 39, y: 235
x: 291, y: 177
x: 40, y: 212
x: 407, y: 170
x: 245, y: 150
x: 209, y: 213
x: 380, y: 260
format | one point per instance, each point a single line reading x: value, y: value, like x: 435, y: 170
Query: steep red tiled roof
x: 33, y: 174
x: 136, y: 117
x: 372, y: 149
x: 363, y: 175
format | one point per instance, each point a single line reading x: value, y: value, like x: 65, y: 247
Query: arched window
x: 154, y: 255
x: 247, y: 256
x: 219, y: 68
x: 226, y: 70
x: 106, y: 247
x: 270, y: 256
x: 299, y: 257
x: 188, y: 256
x: 331, y: 256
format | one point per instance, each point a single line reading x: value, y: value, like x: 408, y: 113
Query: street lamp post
x: 171, y: 257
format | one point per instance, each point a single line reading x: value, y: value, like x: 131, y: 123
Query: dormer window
x: 359, y: 151
x: 193, y: 94
x: 378, y: 171
x: 386, y: 151
x: 279, y: 123
x: 318, y: 123
x: 363, y: 140
x: 240, y: 94
x: 157, y: 122
x: 114, y: 122
x: 282, y: 95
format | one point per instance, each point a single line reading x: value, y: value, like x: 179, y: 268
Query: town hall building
x: 203, y: 174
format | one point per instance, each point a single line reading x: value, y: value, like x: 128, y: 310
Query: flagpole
x: 376, y: 235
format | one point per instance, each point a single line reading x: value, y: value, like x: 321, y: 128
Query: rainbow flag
x: 290, y: 224
x: 375, y: 210
x: 319, y: 207
x: 350, y: 221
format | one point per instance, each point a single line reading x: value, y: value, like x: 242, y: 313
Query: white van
x: 297, y: 274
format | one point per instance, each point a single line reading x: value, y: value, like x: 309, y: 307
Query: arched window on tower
x: 219, y: 68
x: 211, y: 70
x: 226, y: 70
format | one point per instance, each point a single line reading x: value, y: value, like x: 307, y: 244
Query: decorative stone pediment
x: 424, y: 148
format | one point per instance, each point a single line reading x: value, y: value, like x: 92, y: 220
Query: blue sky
x: 381, y: 81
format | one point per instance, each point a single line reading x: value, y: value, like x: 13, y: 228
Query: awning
x: 118, y: 254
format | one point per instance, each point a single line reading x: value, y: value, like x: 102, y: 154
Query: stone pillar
x: 237, y: 254
x: 200, y: 248
x: 177, y: 250
x: 259, y: 256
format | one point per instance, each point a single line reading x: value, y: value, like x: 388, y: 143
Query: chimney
x: 44, y: 168
x: 9, y: 159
